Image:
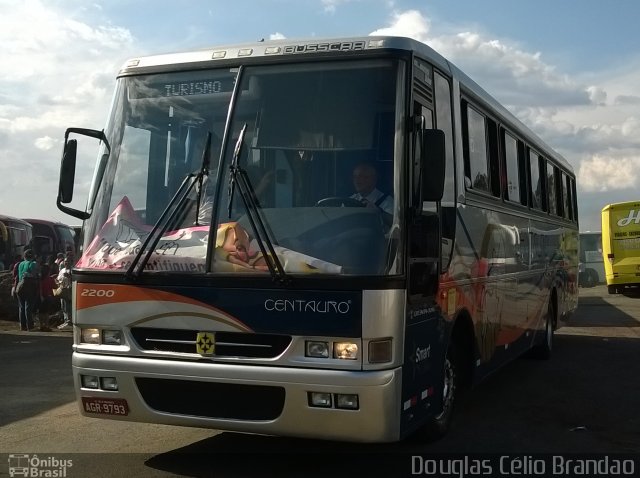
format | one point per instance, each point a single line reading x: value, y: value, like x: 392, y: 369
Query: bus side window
x: 552, y: 190
x: 475, y: 149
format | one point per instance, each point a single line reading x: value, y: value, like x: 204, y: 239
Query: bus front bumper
x: 243, y: 398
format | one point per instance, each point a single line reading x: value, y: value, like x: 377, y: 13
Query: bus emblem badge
x: 205, y: 343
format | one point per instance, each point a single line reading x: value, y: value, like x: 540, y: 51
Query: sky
x: 570, y: 70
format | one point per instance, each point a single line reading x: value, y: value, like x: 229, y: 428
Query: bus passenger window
x: 552, y: 189
x: 512, y: 192
x: 537, y: 181
x: 566, y: 199
x: 477, y: 167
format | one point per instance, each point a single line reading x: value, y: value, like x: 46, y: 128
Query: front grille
x: 212, y: 400
x: 227, y: 344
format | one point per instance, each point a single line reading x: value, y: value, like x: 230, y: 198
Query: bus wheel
x: 614, y: 289
x: 438, y: 425
x: 543, y: 350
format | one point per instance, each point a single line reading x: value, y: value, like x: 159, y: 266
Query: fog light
x: 380, y: 351
x: 345, y: 350
x: 90, y: 336
x: 112, y: 337
x: 317, y: 349
x: 108, y: 383
x: 319, y: 399
x: 89, y: 381
x: 347, y: 401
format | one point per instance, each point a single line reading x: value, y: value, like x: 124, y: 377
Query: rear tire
x: 614, y: 289
x: 543, y: 351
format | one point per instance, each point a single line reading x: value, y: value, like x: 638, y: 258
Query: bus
x: 233, y: 278
x: 591, y: 263
x: 51, y: 237
x: 621, y: 245
x: 15, y: 237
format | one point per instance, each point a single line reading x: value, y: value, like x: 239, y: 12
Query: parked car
x: 15, y: 237
x: 51, y: 237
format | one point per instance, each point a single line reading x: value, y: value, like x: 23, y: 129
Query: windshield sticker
x: 184, y: 250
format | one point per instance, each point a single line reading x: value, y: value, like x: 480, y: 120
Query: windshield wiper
x: 238, y: 176
x: 204, y: 171
x: 168, y: 215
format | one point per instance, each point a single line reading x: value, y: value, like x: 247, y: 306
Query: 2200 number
x: 97, y: 293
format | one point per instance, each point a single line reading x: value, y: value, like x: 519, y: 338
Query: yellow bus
x: 621, y: 245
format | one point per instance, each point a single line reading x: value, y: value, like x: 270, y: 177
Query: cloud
x: 277, y: 36
x: 602, y: 173
x: 597, y: 95
x: 411, y: 23
x: 627, y: 100
x: 330, y: 6
x: 514, y: 76
x: 46, y: 143
x: 57, y: 71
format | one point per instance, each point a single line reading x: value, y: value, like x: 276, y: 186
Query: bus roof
x: 46, y: 222
x: 14, y: 219
x: 288, y: 48
x: 620, y: 205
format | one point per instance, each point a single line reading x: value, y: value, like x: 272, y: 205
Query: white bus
x: 591, y: 261
x: 236, y: 274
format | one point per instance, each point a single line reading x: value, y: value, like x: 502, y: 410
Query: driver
x: 365, y: 179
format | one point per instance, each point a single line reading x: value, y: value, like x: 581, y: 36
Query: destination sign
x: 172, y: 89
x: 202, y: 87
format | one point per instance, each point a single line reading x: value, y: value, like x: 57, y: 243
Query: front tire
x: 438, y: 426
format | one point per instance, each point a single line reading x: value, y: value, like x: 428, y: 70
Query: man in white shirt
x: 365, y: 179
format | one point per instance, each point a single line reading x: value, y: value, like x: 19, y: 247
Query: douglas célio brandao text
x: 509, y: 465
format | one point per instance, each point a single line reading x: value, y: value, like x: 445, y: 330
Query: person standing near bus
x: 27, y: 290
x: 64, y: 282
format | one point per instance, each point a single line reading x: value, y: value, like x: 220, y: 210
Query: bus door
x: 425, y: 334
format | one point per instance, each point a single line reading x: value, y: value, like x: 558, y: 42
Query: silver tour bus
x: 327, y: 239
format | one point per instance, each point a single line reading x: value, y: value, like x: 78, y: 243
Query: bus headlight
x: 108, y: 383
x: 89, y: 381
x: 347, y: 401
x: 319, y: 399
x: 317, y: 349
x: 95, y: 336
x: 90, y: 336
x: 112, y: 337
x: 345, y: 350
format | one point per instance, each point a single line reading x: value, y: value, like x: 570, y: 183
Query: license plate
x: 105, y: 406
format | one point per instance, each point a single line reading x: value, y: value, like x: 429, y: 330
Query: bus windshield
x: 319, y: 157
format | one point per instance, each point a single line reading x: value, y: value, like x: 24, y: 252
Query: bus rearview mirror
x: 433, y: 164
x: 67, y: 171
